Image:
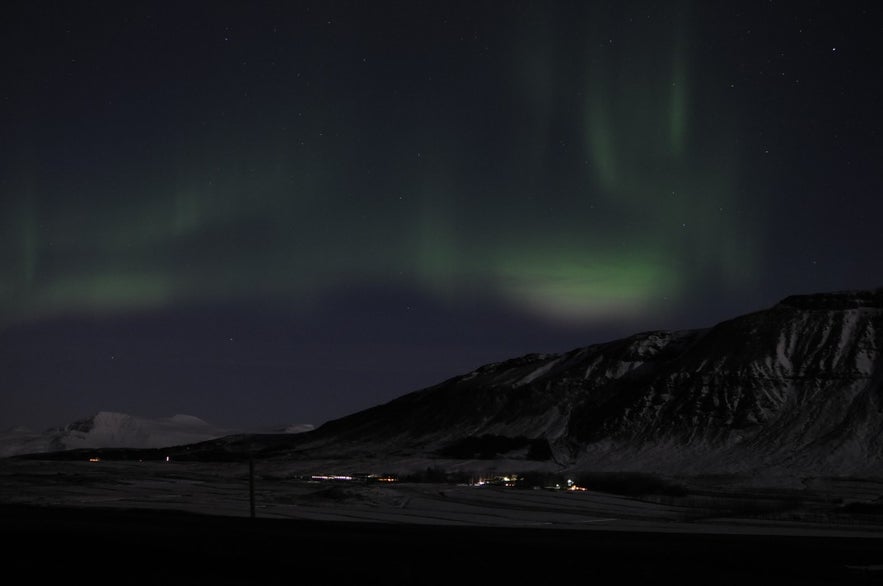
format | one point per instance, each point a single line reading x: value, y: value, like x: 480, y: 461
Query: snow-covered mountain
x: 108, y: 429
x: 796, y: 388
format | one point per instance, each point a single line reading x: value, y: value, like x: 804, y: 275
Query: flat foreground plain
x: 190, y: 523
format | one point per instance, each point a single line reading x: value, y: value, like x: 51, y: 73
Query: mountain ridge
x: 795, y: 387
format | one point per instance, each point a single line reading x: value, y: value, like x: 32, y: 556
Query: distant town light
x: 330, y: 477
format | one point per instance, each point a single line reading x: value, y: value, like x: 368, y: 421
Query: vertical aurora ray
x: 20, y: 257
x: 679, y: 97
x: 29, y: 244
x: 658, y: 194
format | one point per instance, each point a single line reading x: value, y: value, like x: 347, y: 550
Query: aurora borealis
x: 284, y: 212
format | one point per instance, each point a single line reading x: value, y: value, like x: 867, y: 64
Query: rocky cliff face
x: 794, y: 386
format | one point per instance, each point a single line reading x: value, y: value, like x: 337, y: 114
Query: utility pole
x: 251, y: 484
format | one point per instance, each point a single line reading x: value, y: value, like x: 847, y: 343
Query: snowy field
x: 191, y: 523
x: 828, y: 507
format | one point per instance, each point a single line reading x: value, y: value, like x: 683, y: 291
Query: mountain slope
x: 793, y: 388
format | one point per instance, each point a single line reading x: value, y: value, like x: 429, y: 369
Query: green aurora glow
x: 573, y: 175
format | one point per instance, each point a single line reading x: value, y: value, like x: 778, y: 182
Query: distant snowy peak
x: 298, y: 428
x: 187, y: 420
x: 108, y: 429
x: 110, y: 421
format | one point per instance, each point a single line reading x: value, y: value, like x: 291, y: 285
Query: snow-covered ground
x: 224, y: 489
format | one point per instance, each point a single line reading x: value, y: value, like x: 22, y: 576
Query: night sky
x: 264, y: 213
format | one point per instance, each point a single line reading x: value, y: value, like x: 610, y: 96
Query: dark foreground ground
x: 46, y: 545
